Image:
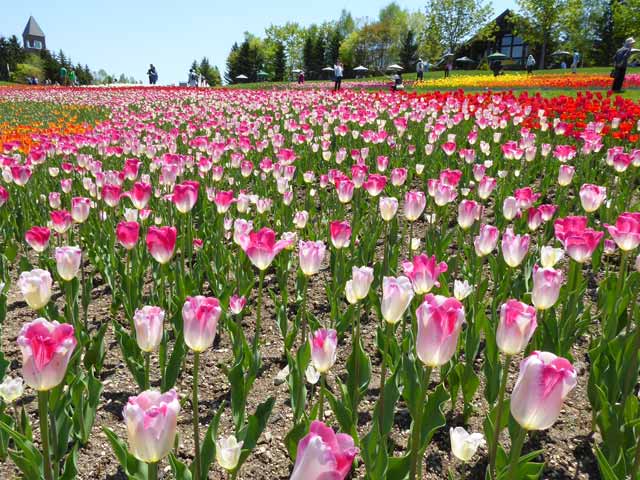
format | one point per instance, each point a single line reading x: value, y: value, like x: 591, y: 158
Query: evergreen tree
x: 232, y: 64
x: 211, y: 75
x: 307, y: 55
x: 333, y: 49
x: 408, y: 51
x: 279, y: 62
x: 318, y: 50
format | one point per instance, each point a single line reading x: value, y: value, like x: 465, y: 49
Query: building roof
x: 33, y: 28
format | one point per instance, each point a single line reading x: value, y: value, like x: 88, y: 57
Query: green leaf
x: 179, y: 469
x: 28, y: 459
x: 131, y: 354
x: 293, y: 437
x: 606, y: 470
x: 433, y: 418
x: 374, y: 454
x: 208, y: 449
x: 254, y: 428
x: 133, y: 468
x: 172, y: 371
x: 391, y: 395
x: 71, y: 465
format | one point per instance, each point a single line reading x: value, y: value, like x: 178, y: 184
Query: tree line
x: 16, y: 64
x: 595, y: 28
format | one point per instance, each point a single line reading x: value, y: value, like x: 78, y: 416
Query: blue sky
x: 125, y: 36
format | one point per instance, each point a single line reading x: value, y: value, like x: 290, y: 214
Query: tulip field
x: 309, y: 285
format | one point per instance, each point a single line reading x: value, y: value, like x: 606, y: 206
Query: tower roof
x: 33, y: 28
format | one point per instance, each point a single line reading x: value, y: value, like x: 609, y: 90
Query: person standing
x: 152, y: 74
x: 420, y: 69
x: 575, y: 62
x: 63, y: 75
x: 338, y: 72
x: 620, y: 61
x: 72, y: 77
x: 448, y: 67
x: 531, y: 62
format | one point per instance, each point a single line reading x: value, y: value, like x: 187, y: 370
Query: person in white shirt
x: 531, y: 62
x: 338, y: 70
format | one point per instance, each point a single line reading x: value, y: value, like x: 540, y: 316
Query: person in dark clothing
x: 620, y: 61
x: 153, y: 74
x: 620, y: 64
x: 496, y: 67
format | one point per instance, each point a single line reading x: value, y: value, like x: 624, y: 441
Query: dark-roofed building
x: 504, y: 40
x: 33, y: 36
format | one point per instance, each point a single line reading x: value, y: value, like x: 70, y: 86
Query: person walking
x: 420, y: 69
x: 575, y: 62
x: 448, y: 67
x: 531, y: 62
x: 153, y: 74
x: 63, y: 75
x: 620, y: 61
x: 338, y: 72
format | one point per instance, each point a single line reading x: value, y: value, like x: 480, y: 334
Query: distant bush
x: 33, y: 67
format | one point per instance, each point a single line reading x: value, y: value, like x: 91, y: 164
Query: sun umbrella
x: 497, y: 56
x: 448, y: 54
x: 395, y: 66
x: 296, y: 70
x: 242, y: 77
x: 327, y: 69
x: 465, y: 60
x: 635, y: 50
x: 360, y: 68
x: 559, y: 53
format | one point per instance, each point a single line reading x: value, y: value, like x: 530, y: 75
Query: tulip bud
x: 151, y: 419
x: 200, y: 316
x: 486, y: 241
x: 228, y: 451
x: 543, y: 383
x: 463, y: 444
x: 461, y: 289
x: 388, y: 208
x: 324, y: 343
x: 237, y: 304
x: 516, y: 326
x: 149, y: 324
x: 11, y: 389
x: 546, y: 287
x: 161, y: 243
x: 440, y: 321
x: 397, y: 294
x: 514, y: 247
x: 35, y: 287
x: 311, y: 256
x: 46, y: 350
x: 68, y: 260
x: 340, y: 233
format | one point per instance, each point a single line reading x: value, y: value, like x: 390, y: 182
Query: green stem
x: 636, y: 464
x: 256, y: 335
x: 196, y: 421
x: 355, y: 343
x: 516, y: 447
x: 385, y: 263
x: 303, y: 311
x: 153, y: 471
x: 496, y: 433
x: 323, y: 382
x: 43, y: 410
x: 147, y: 362
x: 416, y: 431
x: 383, y: 375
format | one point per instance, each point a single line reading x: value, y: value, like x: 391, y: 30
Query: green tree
x: 292, y: 36
x: 454, y: 21
x: 232, y: 64
x: 279, y: 63
x: 580, y: 27
x: 408, y: 50
x: 11, y: 54
x: 625, y: 19
x: 211, y: 74
x: 541, y: 22
x: 31, y: 67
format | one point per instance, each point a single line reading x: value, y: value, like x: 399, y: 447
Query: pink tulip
x: 479, y: 171
x: 543, y: 384
x: 534, y: 218
x: 149, y: 324
x: 514, y: 247
x: 300, y: 219
x: 486, y: 187
x: 127, y: 234
x: 185, y: 196
x: 311, y: 256
x: 592, y: 196
x: 469, y: 211
x: 525, y: 197
x: 580, y: 246
x: 61, y: 220
x: 516, y: 327
x: 322, y: 454
x: 261, y: 247
x: 324, y: 344
x: 237, y: 304
x: 223, y: 200
x: 440, y: 321
x: 46, y: 350
x: 38, y: 238
x: 414, y: 204
x: 547, y: 211
x: 80, y: 208
x: 626, y: 231
x: 140, y: 195
x: 449, y: 148
x: 565, y: 175
x: 344, y: 188
x: 359, y: 175
x: 161, y: 242
x: 388, y: 208
x: 398, y: 176
x: 68, y: 260
x: 55, y: 200
x: 151, y: 419
x: 450, y: 177
x: 21, y: 174
x: 397, y: 294
x: 340, y: 232
x: 375, y: 184
x: 486, y: 241
x: 444, y: 194
x: 546, y: 287
x: 358, y: 287
x: 241, y: 227
x: 568, y: 226
x: 423, y: 272
x: 4, y: 196
x: 111, y: 194
x: 510, y: 208
x: 200, y: 316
